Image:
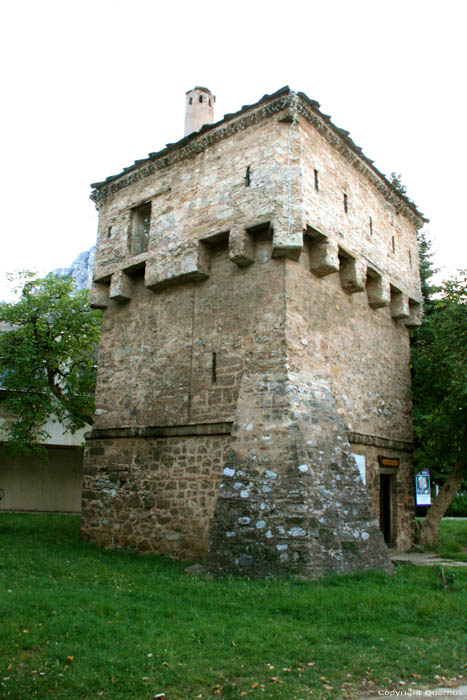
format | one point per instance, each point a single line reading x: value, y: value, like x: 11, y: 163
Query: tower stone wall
x: 258, y: 280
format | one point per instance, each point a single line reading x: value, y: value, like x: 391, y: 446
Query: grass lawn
x: 77, y: 622
x: 452, y: 541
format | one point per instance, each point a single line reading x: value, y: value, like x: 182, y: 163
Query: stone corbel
x: 287, y: 241
x: 189, y: 263
x: 415, y: 314
x: 353, y: 275
x: 99, y: 296
x: 324, y: 257
x: 378, y: 291
x: 241, y: 246
x: 399, y: 304
x: 121, y: 286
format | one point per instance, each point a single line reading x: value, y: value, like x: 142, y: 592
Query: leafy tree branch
x: 48, y: 343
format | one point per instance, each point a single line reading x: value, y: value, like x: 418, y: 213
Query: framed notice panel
x: 422, y: 488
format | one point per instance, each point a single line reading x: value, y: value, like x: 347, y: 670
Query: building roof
x: 284, y: 100
x: 198, y: 87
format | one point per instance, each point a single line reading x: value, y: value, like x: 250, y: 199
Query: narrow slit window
x: 346, y: 204
x: 109, y: 231
x: 393, y: 244
x: 248, y: 177
x: 214, y: 368
x: 410, y: 257
x: 190, y: 101
x: 200, y: 98
x: 371, y: 226
x: 316, y: 181
x: 209, y: 101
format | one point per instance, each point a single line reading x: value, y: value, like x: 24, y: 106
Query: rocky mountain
x: 80, y: 270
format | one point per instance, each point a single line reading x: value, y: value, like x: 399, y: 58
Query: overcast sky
x: 88, y: 87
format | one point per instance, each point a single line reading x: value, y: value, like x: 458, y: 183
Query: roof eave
x: 343, y: 135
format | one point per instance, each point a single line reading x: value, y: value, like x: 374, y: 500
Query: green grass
x: 78, y: 623
x: 452, y: 540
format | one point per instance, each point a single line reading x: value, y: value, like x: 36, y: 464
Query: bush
x: 458, y: 507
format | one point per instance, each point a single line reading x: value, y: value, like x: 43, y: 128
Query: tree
x: 426, y: 272
x: 439, y: 364
x: 439, y: 382
x: 47, y: 360
x: 396, y: 181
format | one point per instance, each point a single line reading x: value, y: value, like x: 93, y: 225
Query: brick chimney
x: 199, y: 109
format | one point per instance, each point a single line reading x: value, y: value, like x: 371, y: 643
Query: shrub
x: 458, y: 507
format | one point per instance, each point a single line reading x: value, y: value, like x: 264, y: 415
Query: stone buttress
x: 291, y: 498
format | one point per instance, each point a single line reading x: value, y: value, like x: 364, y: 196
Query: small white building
x: 27, y: 484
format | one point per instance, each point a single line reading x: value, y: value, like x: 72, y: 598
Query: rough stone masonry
x: 258, y: 280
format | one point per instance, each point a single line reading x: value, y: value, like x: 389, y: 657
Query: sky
x: 88, y: 87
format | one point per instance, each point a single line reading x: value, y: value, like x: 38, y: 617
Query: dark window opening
x: 109, y: 231
x: 410, y: 258
x: 371, y: 226
x: 190, y: 101
x: 346, y: 204
x: 200, y: 98
x: 140, y: 223
x: 385, y: 506
x: 247, y: 177
x: 209, y: 102
x: 214, y: 368
x: 316, y: 181
x: 393, y: 244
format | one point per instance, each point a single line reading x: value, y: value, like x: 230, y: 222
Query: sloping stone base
x: 291, y: 499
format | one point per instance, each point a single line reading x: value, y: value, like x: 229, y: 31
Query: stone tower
x: 199, y: 109
x: 258, y: 280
